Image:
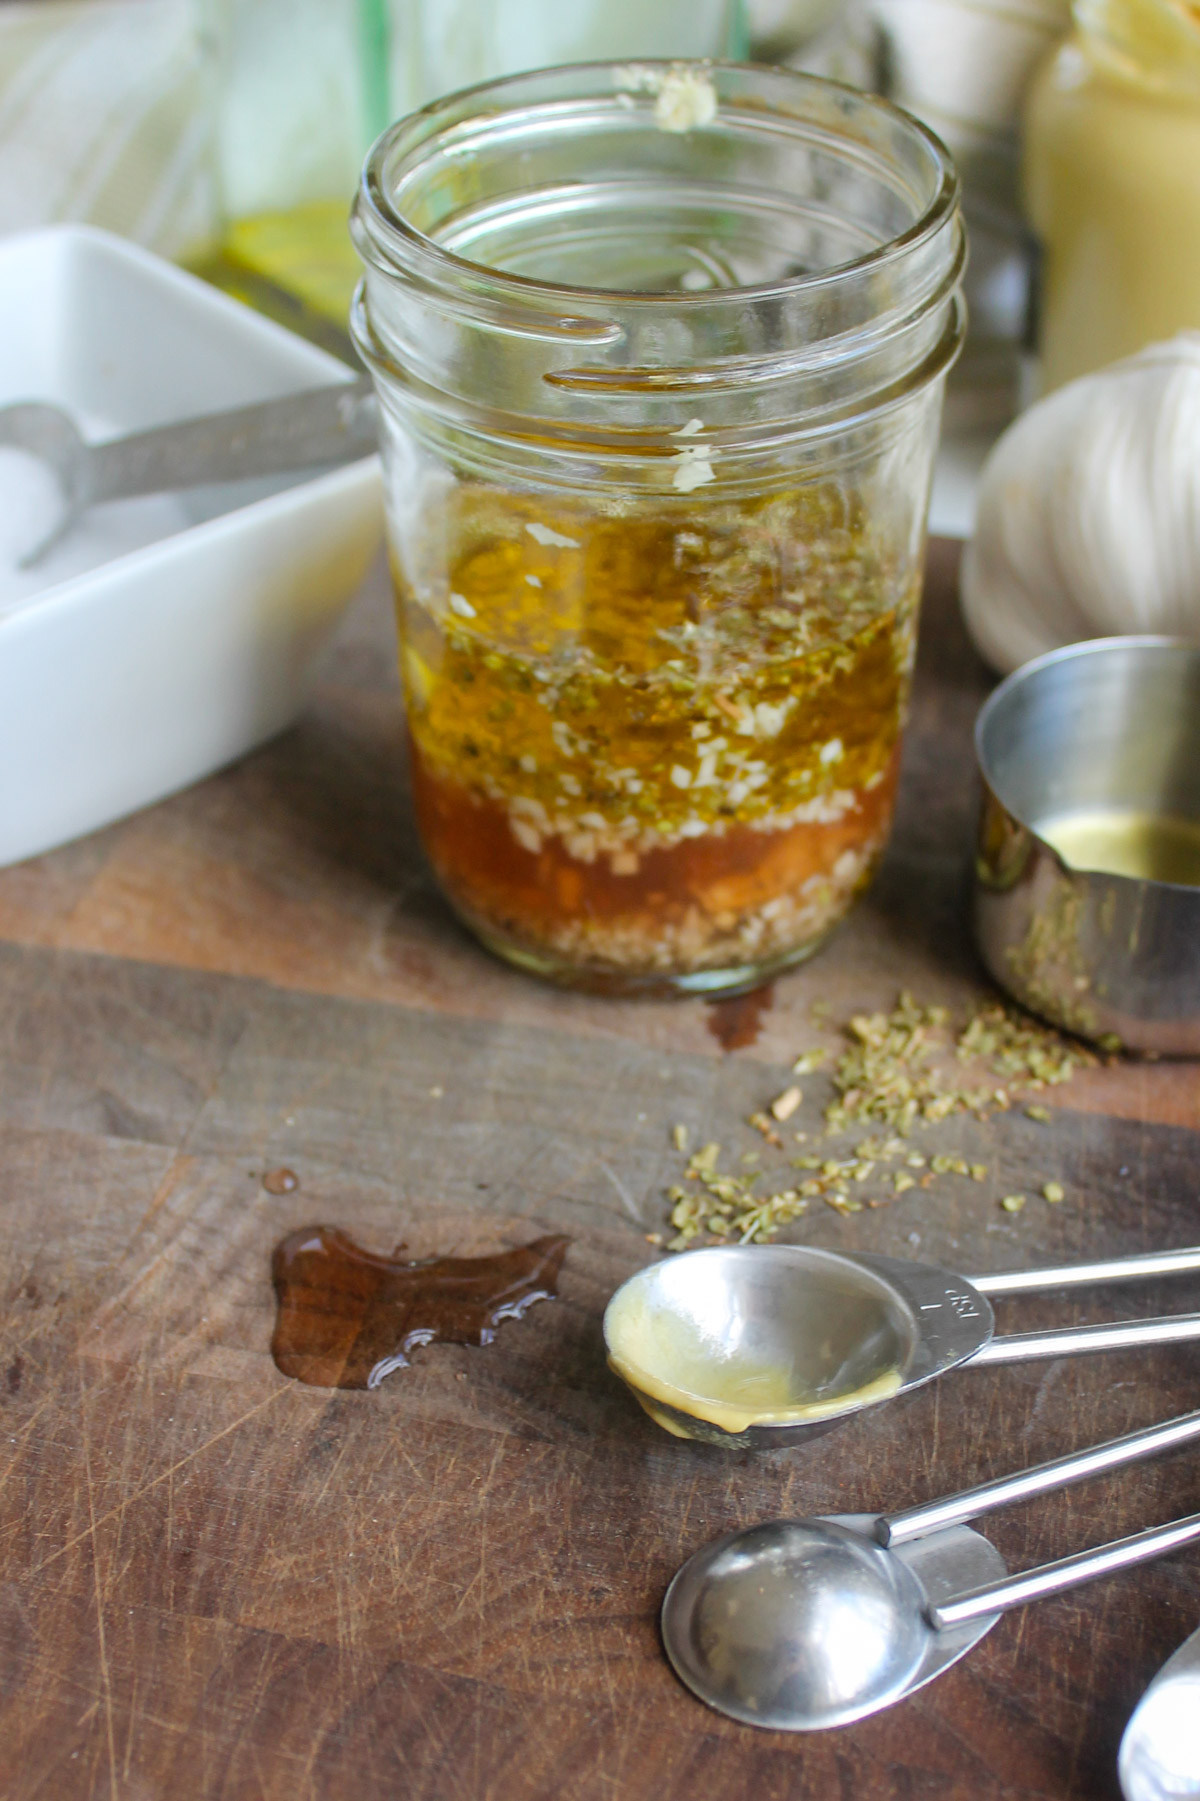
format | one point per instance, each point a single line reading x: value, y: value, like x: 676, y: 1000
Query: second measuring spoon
x: 810, y: 1623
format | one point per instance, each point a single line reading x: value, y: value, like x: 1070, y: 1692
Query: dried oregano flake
x: 893, y: 1073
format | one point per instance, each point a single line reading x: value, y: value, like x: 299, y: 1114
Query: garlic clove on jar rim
x: 1089, y: 512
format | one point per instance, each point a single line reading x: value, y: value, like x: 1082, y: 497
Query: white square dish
x: 196, y: 637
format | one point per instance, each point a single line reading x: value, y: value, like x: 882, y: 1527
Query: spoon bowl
x: 51, y: 435
x: 805, y: 1624
x: 754, y: 1347
x: 758, y: 1346
x: 1160, y: 1749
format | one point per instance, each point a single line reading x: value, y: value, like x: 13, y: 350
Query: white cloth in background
x: 103, y: 119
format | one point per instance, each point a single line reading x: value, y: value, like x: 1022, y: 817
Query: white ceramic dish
x: 197, y: 638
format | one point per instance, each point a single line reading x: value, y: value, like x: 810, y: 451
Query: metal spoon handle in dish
x: 916, y: 1522
x: 333, y: 424
x: 1111, y: 1269
x: 322, y: 425
x: 1068, y: 1572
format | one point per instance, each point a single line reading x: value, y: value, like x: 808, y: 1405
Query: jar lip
x: 388, y: 230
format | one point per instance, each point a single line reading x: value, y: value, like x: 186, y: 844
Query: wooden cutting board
x: 220, y: 1584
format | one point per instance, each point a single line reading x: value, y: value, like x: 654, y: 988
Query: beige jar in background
x: 1112, y: 183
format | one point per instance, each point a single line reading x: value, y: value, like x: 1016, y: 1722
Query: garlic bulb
x: 1089, y: 512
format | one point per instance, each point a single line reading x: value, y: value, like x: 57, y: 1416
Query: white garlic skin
x: 1089, y: 513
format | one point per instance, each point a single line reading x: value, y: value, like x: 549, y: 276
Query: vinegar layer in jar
x: 653, y: 743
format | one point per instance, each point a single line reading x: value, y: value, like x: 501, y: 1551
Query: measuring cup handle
x: 1021, y: 1347
x: 898, y: 1528
x: 1069, y: 1572
x: 1113, y: 1269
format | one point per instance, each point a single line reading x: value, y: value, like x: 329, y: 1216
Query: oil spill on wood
x: 348, y: 1317
x: 736, y: 1021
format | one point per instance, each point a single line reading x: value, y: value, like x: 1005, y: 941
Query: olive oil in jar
x: 660, y: 739
x: 657, y: 455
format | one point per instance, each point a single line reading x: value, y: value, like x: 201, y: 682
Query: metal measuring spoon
x: 805, y: 1624
x: 764, y: 1345
x: 1160, y: 1748
x: 334, y: 424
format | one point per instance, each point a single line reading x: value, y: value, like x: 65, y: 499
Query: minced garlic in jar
x: 659, y: 351
x: 648, y: 743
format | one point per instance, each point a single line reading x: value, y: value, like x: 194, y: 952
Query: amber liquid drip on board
x: 660, y: 739
x: 347, y: 1317
x: 737, y: 1021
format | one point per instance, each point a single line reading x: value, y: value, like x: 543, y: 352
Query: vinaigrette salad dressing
x: 657, y: 735
x: 660, y: 351
x: 1150, y: 847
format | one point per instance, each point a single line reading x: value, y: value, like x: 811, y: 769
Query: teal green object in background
x: 442, y: 45
x: 375, y: 30
x: 304, y: 87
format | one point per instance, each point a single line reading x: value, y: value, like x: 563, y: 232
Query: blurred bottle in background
x: 964, y: 67
x: 778, y: 29
x: 448, y: 44
x: 304, y: 86
x: 1112, y: 181
x: 300, y: 88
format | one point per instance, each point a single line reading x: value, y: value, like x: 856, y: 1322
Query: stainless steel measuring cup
x: 1110, y: 726
x: 699, y: 1338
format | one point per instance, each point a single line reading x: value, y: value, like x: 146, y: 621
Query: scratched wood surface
x: 219, y: 1584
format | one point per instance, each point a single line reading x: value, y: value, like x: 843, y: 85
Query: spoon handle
x: 323, y: 425
x: 1068, y: 1572
x: 1113, y: 1269
x: 1068, y: 1341
x: 915, y: 1522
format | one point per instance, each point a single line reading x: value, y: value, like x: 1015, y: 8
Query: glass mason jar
x: 660, y: 352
